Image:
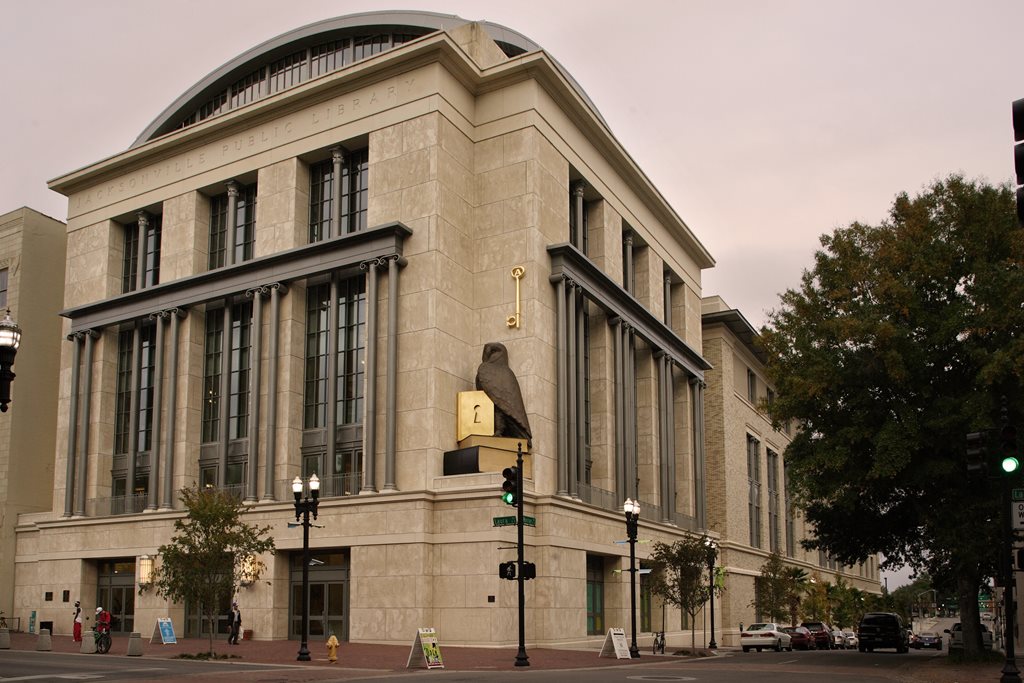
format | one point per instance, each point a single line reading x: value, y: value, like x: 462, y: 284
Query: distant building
x: 32, y: 256
x: 295, y: 269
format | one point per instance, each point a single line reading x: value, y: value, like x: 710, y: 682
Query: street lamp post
x: 10, y: 339
x: 712, y: 551
x: 303, y: 508
x: 632, y: 510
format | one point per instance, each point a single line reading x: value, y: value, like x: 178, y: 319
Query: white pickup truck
x: 956, y: 637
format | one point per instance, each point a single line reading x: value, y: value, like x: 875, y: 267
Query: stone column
x: 83, y: 436
x: 140, y: 250
x: 276, y: 291
x: 255, y: 373
x: 133, y: 421
x: 158, y: 371
x: 562, y: 425
x: 338, y: 159
x: 167, y: 499
x: 578, y: 189
x: 370, y: 379
x: 69, y: 476
x: 231, y: 223
x: 224, y: 413
x: 391, y: 415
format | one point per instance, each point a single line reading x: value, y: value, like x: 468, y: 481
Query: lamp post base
x: 634, y: 651
x: 303, y: 654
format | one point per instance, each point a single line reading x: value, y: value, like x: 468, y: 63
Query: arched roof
x: 213, y: 94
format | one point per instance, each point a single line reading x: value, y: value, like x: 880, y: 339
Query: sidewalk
x: 350, y: 655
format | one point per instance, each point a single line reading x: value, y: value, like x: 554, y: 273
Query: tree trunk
x: 970, y: 619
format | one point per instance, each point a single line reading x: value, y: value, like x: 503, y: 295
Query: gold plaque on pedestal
x: 474, y: 414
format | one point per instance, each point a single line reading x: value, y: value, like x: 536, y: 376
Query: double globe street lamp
x: 632, y: 510
x: 303, y: 509
x: 712, y: 554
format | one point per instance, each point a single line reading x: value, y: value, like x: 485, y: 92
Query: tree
x: 211, y: 553
x: 771, y: 589
x: 796, y: 584
x: 902, y: 339
x: 678, y: 576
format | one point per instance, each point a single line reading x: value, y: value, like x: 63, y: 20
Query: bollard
x: 45, y: 643
x: 5, y: 639
x: 88, y: 643
x: 135, y: 645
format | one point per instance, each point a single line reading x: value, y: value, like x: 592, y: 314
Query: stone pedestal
x: 88, y: 643
x: 135, y: 645
x: 478, y: 453
x: 45, y: 642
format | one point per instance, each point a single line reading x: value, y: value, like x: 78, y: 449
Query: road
x: 728, y: 667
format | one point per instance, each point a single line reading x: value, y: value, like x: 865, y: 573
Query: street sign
x: 511, y: 521
x: 1017, y: 513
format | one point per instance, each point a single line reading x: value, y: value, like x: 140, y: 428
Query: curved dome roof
x: 278, y: 63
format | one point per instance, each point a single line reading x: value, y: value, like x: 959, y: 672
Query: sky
x: 764, y: 123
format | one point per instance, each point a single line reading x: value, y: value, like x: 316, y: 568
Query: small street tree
x: 679, y: 576
x: 211, y: 553
x: 796, y: 585
x: 771, y: 590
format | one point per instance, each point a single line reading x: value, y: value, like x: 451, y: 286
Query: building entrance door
x: 115, y: 592
x: 328, y: 596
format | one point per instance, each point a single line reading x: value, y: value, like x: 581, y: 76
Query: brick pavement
x: 350, y: 655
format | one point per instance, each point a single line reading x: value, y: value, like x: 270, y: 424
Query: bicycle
x: 659, y: 642
x: 3, y: 620
x: 103, y: 641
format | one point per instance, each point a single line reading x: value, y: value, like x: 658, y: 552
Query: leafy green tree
x: 679, y: 576
x: 771, y: 590
x: 901, y: 339
x: 211, y: 553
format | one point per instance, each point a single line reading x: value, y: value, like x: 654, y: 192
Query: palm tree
x: 795, y: 583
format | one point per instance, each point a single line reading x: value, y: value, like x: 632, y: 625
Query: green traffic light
x: 509, y: 498
x: 1010, y: 464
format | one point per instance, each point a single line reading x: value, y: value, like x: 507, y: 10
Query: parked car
x: 821, y: 634
x: 932, y: 641
x: 838, y: 640
x: 882, y: 629
x: 760, y: 636
x: 956, y: 637
x: 851, y: 639
x: 800, y: 638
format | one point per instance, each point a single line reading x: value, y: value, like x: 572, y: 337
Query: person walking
x: 78, y: 622
x: 236, y: 624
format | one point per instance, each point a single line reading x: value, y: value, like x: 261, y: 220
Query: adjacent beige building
x: 748, y: 504
x: 295, y: 269
x: 32, y: 288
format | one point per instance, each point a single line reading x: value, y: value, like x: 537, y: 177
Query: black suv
x: 882, y: 629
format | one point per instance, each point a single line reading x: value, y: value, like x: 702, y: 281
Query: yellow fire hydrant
x: 332, y: 649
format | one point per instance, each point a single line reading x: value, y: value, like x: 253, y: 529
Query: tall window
x: 126, y: 388
x: 211, y: 375
x: 3, y: 288
x: 577, y: 236
x: 351, y: 321
x: 151, y: 254
x: 774, y: 530
x: 790, y: 517
x: 354, y: 195
x: 238, y: 381
x: 754, y: 485
x: 244, y: 232
x: 751, y: 386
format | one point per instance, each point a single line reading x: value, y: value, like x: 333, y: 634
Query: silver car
x: 762, y: 636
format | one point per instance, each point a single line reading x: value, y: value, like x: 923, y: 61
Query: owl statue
x: 495, y: 378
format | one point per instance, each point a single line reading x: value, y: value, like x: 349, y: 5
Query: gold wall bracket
x: 513, y: 320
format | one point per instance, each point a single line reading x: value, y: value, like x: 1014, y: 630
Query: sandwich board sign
x: 615, y: 644
x: 164, y: 630
x: 425, y: 651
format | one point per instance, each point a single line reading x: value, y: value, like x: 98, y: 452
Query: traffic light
x: 529, y: 571
x: 976, y: 453
x: 1010, y: 462
x: 507, y: 570
x: 1018, y: 155
x: 510, y: 487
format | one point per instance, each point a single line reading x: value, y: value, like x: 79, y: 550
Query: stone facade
x: 32, y: 254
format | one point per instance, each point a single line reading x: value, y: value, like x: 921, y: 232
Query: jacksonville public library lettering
x: 292, y: 128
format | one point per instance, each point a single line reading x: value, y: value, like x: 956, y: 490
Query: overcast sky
x: 764, y: 123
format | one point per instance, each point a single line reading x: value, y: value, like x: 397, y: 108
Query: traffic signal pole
x: 1010, y: 673
x: 521, y: 658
